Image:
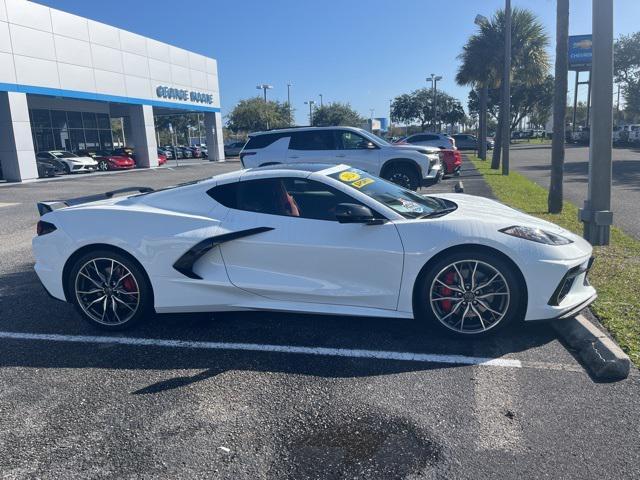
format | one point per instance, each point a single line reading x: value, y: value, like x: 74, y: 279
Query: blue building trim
x: 57, y: 92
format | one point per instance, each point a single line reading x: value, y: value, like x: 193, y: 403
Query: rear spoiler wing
x: 51, y: 205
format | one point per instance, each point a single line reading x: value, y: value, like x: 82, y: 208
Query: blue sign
x: 580, y: 52
x: 185, y: 95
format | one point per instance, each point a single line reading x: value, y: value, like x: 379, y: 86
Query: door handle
x: 341, y: 155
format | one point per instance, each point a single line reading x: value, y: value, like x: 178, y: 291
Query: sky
x: 363, y: 52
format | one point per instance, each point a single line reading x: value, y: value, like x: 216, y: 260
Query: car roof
x: 305, y: 128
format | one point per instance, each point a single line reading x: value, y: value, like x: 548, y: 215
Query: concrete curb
x: 600, y: 355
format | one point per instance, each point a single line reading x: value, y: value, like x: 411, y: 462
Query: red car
x: 162, y: 159
x: 452, y: 161
x: 109, y: 161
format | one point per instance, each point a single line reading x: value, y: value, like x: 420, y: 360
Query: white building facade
x: 64, y: 77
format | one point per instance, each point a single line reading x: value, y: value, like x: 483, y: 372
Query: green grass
x: 616, y: 271
x: 532, y: 141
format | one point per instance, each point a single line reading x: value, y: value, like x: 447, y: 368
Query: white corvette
x: 309, y: 238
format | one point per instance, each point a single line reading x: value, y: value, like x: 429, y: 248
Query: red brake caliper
x: 128, y: 284
x: 449, y: 279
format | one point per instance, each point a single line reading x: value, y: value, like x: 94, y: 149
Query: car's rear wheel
x: 109, y: 290
x: 402, y: 175
x: 470, y: 294
x: 103, y: 165
x: 66, y: 168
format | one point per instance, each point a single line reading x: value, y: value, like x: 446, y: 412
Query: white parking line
x: 254, y: 347
x: 2, y: 204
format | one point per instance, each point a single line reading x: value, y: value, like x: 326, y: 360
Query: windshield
x: 375, y: 138
x: 64, y: 155
x: 405, y: 202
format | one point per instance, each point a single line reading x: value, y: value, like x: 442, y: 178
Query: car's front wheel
x: 403, y: 175
x: 470, y: 294
x: 109, y: 290
x: 103, y: 165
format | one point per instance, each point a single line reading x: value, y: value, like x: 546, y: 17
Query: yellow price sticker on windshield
x: 363, y: 182
x: 348, y: 176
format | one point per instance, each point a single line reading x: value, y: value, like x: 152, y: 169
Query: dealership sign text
x: 184, y: 95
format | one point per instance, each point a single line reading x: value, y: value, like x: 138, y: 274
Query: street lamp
x: 481, y: 20
x: 289, y: 85
x: 311, y: 103
x: 264, y: 87
x: 434, y: 79
x: 321, y: 104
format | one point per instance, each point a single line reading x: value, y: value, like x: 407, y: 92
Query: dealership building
x: 63, y: 78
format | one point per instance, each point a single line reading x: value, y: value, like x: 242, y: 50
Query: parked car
x: 124, y: 152
x: 465, y: 141
x: 186, y: 152
x: 452, y: 162
x: 581, y: 135
x: 309, y: 238
x: 196, y: 151
x: 407, y: 165
x: 175, y: 152
x: 109, y: 161
x: 166, y: 152
x: 70, y: 162
x: 233, y: 149
x: 48, y: 169
x: 162, y: 159
x: 439, y: 140
x: 205, y: 151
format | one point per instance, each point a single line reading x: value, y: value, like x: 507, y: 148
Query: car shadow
x: 26, y: 308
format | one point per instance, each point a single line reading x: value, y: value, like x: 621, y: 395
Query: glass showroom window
x: 72, y: 131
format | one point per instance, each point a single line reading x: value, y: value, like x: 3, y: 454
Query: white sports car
x: 309, y: 238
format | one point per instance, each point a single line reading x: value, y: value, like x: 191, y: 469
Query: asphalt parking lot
x: 534, y: 161
x: 273, y: 395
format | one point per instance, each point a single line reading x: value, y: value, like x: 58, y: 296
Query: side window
x: 429, y: 138
x: 312, y: 140
x: 416, y: 138
x: 226, y: 194
x: 289, y: 197
x: 43, y: 156
x: 263, y: 141
x: 351, y: 141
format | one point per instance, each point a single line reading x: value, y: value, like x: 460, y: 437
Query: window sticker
x: 348, y: 176
x: 362, y: 182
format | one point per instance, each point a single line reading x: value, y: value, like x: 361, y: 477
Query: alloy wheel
x: 102, y: 165
x: 402, y: 179
x: 469, y: 296
x: 107, y: 291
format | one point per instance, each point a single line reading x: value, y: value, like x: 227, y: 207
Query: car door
x: 312, y: 146
x: 304, y: 254
x: 357, y: 151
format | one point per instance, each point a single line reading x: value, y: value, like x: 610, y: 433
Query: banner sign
x: 580, y: 52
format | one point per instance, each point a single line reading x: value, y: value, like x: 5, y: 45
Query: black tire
x: 103, y: 258
x: 513, y: 311
x: 66, y: 168
x: 103, y: 165
x: 403, y: 175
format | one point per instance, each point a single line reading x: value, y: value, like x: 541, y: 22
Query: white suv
x: 406, y: 165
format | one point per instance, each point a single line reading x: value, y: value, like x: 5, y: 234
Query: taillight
x: 44, y: 227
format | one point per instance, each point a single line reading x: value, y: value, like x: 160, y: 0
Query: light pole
x: 264, y: 87
x: 321, y: 104
x: 434, y: 79
x: 596, y: 214
x: 371, y: 110
x: 506, y: 104
x: 289, y: 85
x: 311, y: 103
x: 483, y: 91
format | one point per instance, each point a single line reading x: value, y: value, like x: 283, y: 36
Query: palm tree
x: 559, y: 107
x: 483, y: 58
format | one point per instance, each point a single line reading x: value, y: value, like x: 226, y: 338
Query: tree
x: 417, y: 106
x: 483, y: 66
x: 533, y: 101
x: 336, y: 113
x: 627, y: 69
x: 180, y: 123
x: 554, y: 201
x: 255, y: 114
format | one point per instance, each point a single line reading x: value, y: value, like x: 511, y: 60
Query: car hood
x: 484, y: 209
x: 83, y: 160
x: 422, y: 148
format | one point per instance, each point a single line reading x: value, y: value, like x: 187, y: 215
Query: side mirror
x: 370, y: 146
x: 354, y: 213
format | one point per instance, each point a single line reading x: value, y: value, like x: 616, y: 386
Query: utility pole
x: 483, y: 92
x: 506, y: 105
x: 311, y: 103
x: 289, y: 85
x: 596, y: 213
x: 264, y: 87
x: 321, y: 104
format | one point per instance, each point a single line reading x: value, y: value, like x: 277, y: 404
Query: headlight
x: 536, y: 235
